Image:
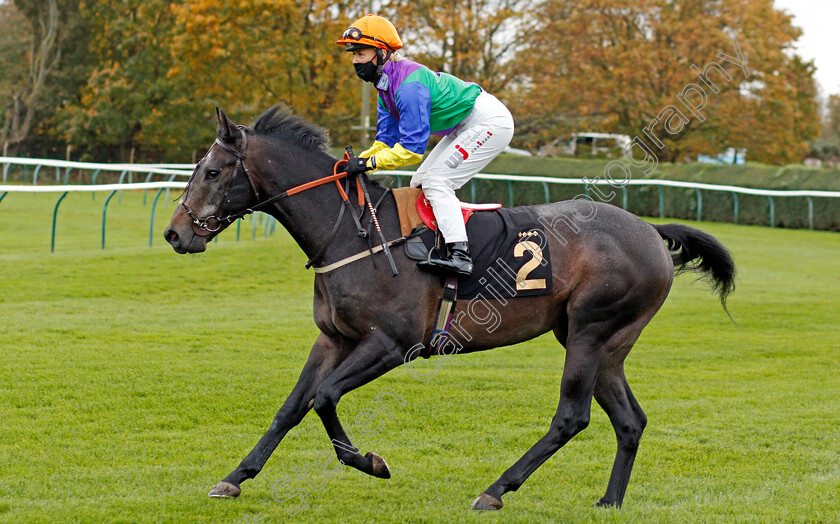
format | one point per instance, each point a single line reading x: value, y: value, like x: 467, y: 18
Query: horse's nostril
x: 171, y: 236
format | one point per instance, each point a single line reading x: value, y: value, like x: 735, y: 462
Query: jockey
x: 414, y: 103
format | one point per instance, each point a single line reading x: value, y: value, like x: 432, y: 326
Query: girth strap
x: 446, y: 310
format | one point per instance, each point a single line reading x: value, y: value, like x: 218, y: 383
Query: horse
x: 611, y: 272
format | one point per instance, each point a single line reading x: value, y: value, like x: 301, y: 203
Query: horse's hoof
x: 485, y: 502
x: 380, y: 467
x: 607, y: 504
x: 224, y: 490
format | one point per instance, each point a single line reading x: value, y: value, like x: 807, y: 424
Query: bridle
x: 213, y: 224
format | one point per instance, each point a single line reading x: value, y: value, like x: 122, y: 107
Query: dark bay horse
x: 611, y: 273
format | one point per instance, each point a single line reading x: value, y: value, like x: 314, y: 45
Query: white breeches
x: 482, y: 135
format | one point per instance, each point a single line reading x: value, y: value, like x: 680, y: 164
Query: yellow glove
x: 375, y: 148
x: 393, y: 157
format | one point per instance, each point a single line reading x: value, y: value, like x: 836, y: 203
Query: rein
x: 212, y: 224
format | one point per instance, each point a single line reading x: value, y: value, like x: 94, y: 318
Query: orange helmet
x: 371, y: 31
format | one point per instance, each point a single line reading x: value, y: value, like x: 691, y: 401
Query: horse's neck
x: 309, y: 216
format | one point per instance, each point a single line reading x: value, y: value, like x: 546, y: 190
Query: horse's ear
x: 227, y: 129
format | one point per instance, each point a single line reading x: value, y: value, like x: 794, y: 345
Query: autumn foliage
x: 151, y: 72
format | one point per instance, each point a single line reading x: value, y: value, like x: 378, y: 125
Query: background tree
x: 123, y: 103
x: 164, y: 67
x: 250, y: 55
x: 37, y: 78
x: 611, y: 65
x: 475, y: 40
x: 831, y: 129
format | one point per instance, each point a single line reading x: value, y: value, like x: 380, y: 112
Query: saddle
x: 415, y: 210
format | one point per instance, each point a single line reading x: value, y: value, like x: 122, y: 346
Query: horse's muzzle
x: 185, y: 242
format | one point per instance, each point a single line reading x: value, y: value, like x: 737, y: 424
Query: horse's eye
x: 212, y: 173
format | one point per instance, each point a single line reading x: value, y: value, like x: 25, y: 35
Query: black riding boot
x: 457, y: 261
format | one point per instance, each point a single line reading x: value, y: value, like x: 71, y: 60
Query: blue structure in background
x: 731, y: 156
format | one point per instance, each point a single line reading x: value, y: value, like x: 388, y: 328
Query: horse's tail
x: 694, y: 250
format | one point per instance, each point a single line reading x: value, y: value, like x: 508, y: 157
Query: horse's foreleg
x: 572, y: 417
x: 372, y: 358
x: 613, y: 394
x: 325, y: 357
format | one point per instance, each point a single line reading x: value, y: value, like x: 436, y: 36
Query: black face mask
x: 366, y: 71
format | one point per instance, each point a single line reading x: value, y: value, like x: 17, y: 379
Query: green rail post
x: 104, y: 211
x: 238, y: 224
x: 35, y: 176
x: 6, y: 172
x: 55, y: 216
x: 152, y: 222
x: 171, y: 178
x: 148, y: 179
x: 67, y: 175
x: 810, y: 213
x: 122, y: 176
x: 699, y: 204
x: 547, y: 194
x: 510, y: 192
x: 661, y: 201
x: 57, y: 174
x: 624, y: 198
x: 735, y: 208
x: 93, y: 183
x: 772, y: 211
x: 472, y: 191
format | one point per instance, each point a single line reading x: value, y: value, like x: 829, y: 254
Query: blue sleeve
x: 414, y: 102
x: 387, y: 129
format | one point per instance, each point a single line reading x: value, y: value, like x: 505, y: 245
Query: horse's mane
x: 282, y: 124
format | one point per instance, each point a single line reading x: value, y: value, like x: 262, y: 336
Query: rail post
x: 699, y: 203
x: 661, y: 202
x: 122, y: 176
x: 55, y: 216
x: 104, y: 211
x: 93, y: 183
x: 734, y: 208
x: 772, y: 211
x: 152, y: 222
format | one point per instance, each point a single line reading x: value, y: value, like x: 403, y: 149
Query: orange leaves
x: 602, y: 65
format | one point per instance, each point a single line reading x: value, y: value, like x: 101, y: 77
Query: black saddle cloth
x: 510, y: 255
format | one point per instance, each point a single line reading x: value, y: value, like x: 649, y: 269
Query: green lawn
x: 133, y: 379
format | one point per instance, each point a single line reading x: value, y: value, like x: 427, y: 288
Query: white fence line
x: 175, y: 170
x: 187, y: 169
x: 97, y: 187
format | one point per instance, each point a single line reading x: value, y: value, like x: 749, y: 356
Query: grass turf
x: 134, y: 379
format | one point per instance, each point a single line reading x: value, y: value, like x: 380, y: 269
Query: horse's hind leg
x: 576, y: 389
x: 613, y: 394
